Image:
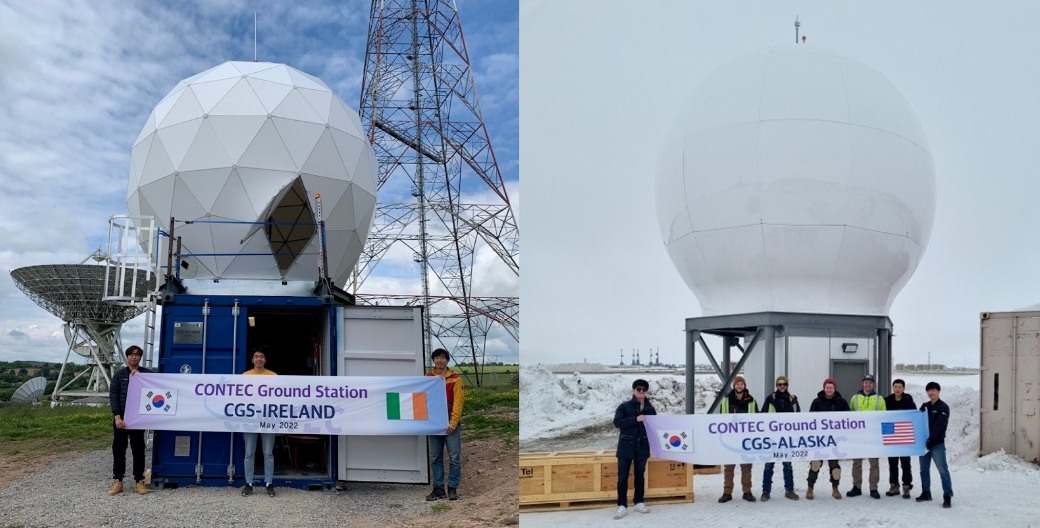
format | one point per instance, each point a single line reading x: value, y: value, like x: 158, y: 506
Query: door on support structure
x: 382, y: 341
x: 849, y: 375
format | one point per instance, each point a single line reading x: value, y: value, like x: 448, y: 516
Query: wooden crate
x: 567, y: 479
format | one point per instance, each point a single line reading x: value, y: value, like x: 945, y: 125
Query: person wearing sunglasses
x: 780, y: 401
x: 633, y: 446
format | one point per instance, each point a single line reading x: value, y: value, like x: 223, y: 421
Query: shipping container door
x: 997, y: 387
x: 186, y: 332
x: 381, y: 341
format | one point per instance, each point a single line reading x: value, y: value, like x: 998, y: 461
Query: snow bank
x: 558, y: 405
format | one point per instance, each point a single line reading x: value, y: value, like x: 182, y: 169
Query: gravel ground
x: 71, y: 492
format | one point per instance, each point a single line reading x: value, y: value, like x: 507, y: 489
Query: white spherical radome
x: 796, y: 181
x: 248, y: 142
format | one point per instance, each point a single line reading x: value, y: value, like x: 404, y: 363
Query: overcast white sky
x: 80, y: 78
x: 601, y: 82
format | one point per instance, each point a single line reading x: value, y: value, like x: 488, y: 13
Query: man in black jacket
x: 120, y: 435
x: 780, y: 401
x: 938, y: 420
x: 633, y: 446
x: 827, y: 400
x: 899, y: 401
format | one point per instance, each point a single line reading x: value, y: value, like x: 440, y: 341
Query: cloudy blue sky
x: 80, y: 78
x: 602, y: 83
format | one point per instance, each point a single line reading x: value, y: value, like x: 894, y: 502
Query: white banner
x: 781, y: 437
x: 335, y: 405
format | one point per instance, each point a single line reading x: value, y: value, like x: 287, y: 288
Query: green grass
x: 493, y: 376
x: 491, y: 413
x: 29, y: 430
x: 440, y: 507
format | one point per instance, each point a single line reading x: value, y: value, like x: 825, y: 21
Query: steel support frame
x: 765, y: 327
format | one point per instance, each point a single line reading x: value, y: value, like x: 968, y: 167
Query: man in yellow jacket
x: 866, y: 400
x: 452, y: 440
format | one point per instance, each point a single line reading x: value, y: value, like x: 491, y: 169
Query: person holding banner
x: 453, y: 439
x: 866, y: 400
x: 266, y: 439
x: 780, y: 401
x: 899, y: 400
x: 120, y: 434
x: 938, y: 420
x: 827, y: 400
x: 633, y: 447
x: 738, y: 401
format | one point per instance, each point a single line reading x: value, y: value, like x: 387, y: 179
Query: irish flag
x: 406, y: 406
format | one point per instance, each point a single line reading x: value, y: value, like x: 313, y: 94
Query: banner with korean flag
x: 783, y: 437
x: 335, y: 405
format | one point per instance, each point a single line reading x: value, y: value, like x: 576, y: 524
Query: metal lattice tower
x: 441, y: 193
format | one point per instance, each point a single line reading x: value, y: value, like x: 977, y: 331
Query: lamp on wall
x: 252, y: 320
x: 849, y: 348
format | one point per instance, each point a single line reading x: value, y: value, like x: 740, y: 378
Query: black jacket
x: 905, y: 404
x: 938, y: 419
x: 822, y: 404
x: 120, y: 386
x: 632, y: 441
x: 781, y: 402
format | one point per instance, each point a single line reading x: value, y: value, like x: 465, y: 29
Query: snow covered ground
x: 574, y: 411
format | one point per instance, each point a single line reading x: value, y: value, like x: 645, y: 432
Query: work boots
x: 750, y: 497
x: 854, y: 492
x: 726, y: 497
x: 141, y: 488
x: 946, y: 501
x: 765, y: 496
x: 893, y: 490
x: 906, y: 490
x: 791, y: 495
x: 835, y: 492
x: 925, y: 496
x: 809, y: 494
x: 116, y: 489
x: 437, y: 493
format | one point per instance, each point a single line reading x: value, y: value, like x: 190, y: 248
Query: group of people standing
x: 451, y: 441
x: 634, y: 449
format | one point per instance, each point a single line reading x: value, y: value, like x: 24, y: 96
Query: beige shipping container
x: 1010, y: 384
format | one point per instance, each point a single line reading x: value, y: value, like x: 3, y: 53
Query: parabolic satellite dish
x: 73, y: 292
x: 796, y: 181
x: 253, y: 142
x: 30, y: 391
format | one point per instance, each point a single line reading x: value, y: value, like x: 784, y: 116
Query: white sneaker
x: 621, y: 512
x: 641, y: 508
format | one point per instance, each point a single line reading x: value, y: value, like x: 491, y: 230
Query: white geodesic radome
x: 255, y: 142
x: 796, y: 181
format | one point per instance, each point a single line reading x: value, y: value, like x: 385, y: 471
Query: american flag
x: 897, y: 433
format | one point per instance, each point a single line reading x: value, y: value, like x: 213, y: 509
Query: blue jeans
x: 267, y: 441
x: 767, y: 477
x: 938, y: 454
x: 454, y: 444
